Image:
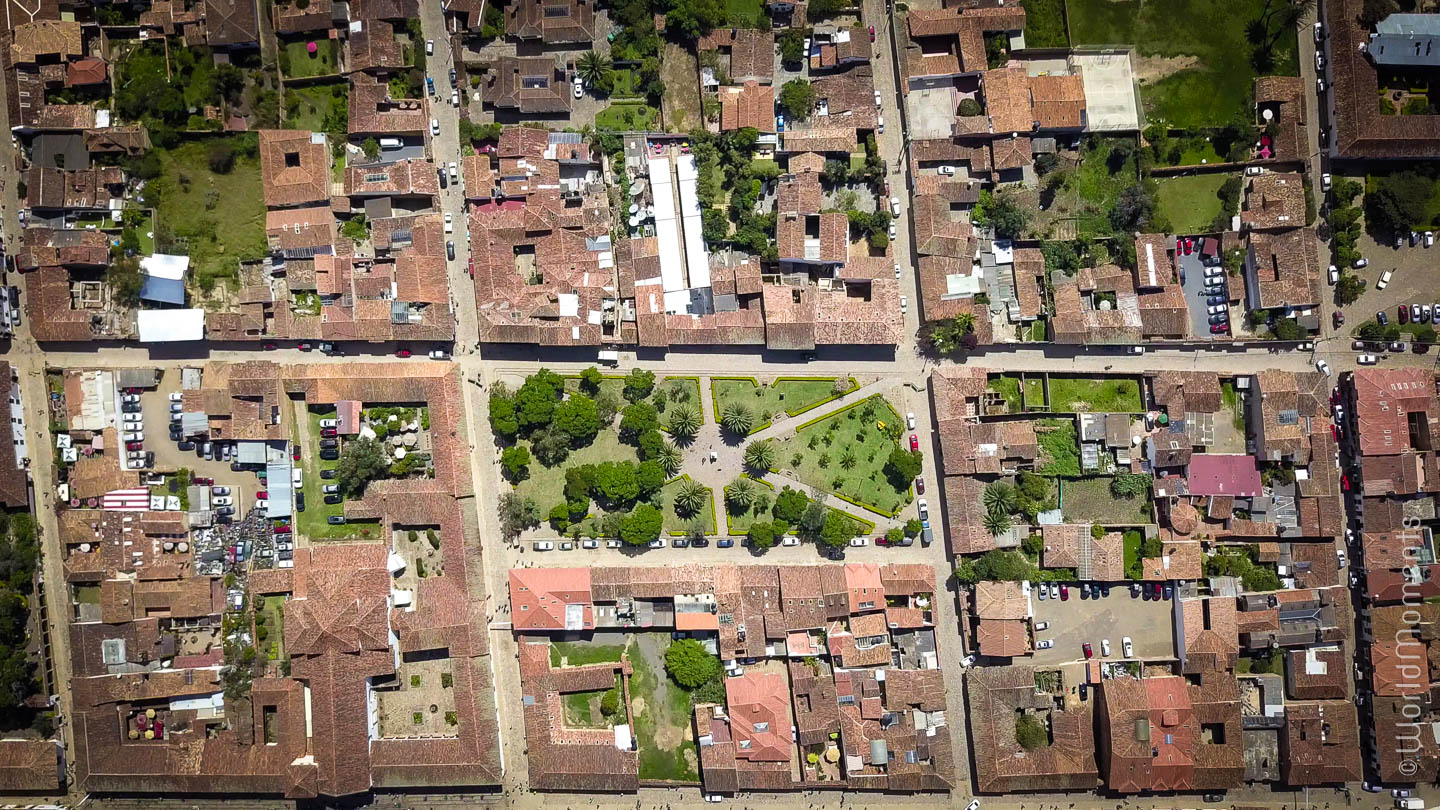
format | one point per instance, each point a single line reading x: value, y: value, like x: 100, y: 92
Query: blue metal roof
x: 163, y: 290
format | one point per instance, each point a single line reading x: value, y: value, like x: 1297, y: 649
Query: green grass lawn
x: 303, y: 64
x: 313, y: 521
x: 1189, y: 203
x: 1091, y: 189
x: 1216, y: 90
x: 1045, y: 24
x: 1009, y: 389
x: 1081, y: 395
x: 579, y: 654
x: 1059, y: 446
x: 273, y: 608
x: 622, y: 84
x: 744, y: 13
x: 787, y: 396
x: 674, y: 523
x: 627, y: 116
x: 306, y: 107
x: 668, y: 391
x: 849, y: 434
x: 1034, y: 393
x: 662, y: 721
x: 1089, y: 500
x: 547, y: 484
x: 218, y: 219
x: 577, y: 709
x: 740, y: 524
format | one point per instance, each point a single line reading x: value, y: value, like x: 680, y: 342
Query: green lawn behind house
x: 1189, y: 203
x: 1089, y: 500
x: 218, y: 219
x: 744, y: 13
x: 1081, y: 395
x: 1045, y: 24
x: 662, y: 715
x: 307, y: 107
x: 1217, y: 89
x: 302, y: 64
x: 581, y: 653
x: 627, y: 116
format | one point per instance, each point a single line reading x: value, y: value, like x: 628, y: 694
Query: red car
x: 881, y: 541
x: 1189, y: 246
x: 134, y: 445
x: 1404, y: 313
x: 920, y: 484
x: 285, y: 529
x: 403, y: 353
x: 204, y: 482
x: 1089, y: 653
x: 1064, y: 593
x: 1335, y: 433
x: 262, y: 495
x: 1345, y: 482
x: 295, y: 453
x: 872, y: 33
x: 269, y: 347
x: 472, y: 268
x: 329, y: 433
x: 304, y: 347
x: 1219, y: 328
x: 914, y: 442
x: 1338, y: 319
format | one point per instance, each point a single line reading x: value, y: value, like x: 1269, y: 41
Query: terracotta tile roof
x: 295, y: 167
x: 317, y: 15
x: 752, y: 56
x: 86, y: 71
x: 1321, y: 744
x: 231, y: 22
x: 1284, y: 268
x: 46, y: 39
x: 1001, y: 600
x: 758, y: 704
x: 528, y: 84
x: 749, y: 106
x: 1002, y: 638
x: 1387, y: 402
x: 996, y: 695
x: 1058, y: 101
x: 1007, y: 100
x: 373, y: 46
x: 412, y: 176
x: 1010, y: 153
x: 373, y: 112
x: 1361, y: 130
x: 1181, y: 392
x: 1393, y: 667
x: 1316, y: 673
x: 551, y: 21
x: 1274, y: 200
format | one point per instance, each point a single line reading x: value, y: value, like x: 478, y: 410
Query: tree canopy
x: 689, y: 664
x: 362, y: 461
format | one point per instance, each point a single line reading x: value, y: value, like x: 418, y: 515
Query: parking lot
x: 1192, y: 274
x: 1076, y: 621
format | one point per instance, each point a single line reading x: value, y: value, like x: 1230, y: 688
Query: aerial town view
x: 786, y: 404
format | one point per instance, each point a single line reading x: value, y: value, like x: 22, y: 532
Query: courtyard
x: 1076, y: 621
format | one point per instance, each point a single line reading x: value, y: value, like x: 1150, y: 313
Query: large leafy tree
x: 790, y: 505
x: 641, y: 526
x: 362, y: 461
x: 578, y: 418
x: 689, y: 663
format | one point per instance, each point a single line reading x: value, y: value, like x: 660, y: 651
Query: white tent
x: 170, y: 325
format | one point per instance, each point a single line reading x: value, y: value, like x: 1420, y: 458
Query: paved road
x: 444, y: 149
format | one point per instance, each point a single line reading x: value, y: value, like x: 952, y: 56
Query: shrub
x: 689, y: 664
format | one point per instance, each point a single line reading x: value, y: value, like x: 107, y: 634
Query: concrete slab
x: 932, y: 112
x: 1110, y: 102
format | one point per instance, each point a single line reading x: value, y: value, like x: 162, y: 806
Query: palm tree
x: 691, y: 498
x: 847, y: 461
x: 760, y: 456
x: 740, y: 495
x: 996, y: 524
x: 999, y: 498
x: 669, y: 459
x: 592, y: 66
x: 737, y: 418
x: 684, y: 423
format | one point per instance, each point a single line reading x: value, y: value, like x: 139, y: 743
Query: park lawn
x: 740, y: 524
x: 865, y: 482
x: 307, y: 107
x: 1045, y: 24
x: 1190, y: 203
x: 1009, y: 389
x: 223, y: 228
x: 1216, y: 90
x: 303, y: 64
x: 744, y: 13
x: 1081, y: 395
x: 1089, y: 500
x: 662, y: 722
x: 579, y: 654
x: 674, y: 523
x: 678, y: 390
x: 784, y: 396
x: 547, y: 484
x: 627, y: 116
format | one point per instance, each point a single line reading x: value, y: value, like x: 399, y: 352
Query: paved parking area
x: 1076, y: 621
x: 155, y: 406
x: 1192, y: 271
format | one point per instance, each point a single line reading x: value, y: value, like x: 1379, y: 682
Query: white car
x: 613, y: 544
x: 1041, y: 625
x: 579, y: 88
x: 449, y: 222
x: 1216, y: 309
x: 223, y: 500
x: 859, y: 541
x: 429, y: 47
x: 1105, y: 648
x: 439, y: 354
x: 1045, y: 644
x: 454, y: 98
x: 947, y: 170
x: 973, y: 805
x: 893, y: 230
x: 904, y: 305
x: 790, y: 540
x: 219, y: 490
x: 1361, y: 262
x: 877, y: 99
x: 1367, y: 359
x: 1319, y: 31
x: 434, y: 126
x: 130, y: 398
x: 1429, y: 238
x: 880, y: 124
x: 543, y: 545
x: 924, y: 509
x: 1211, y: 272
x: 1319, y: 61
x: 133, y: 417
x: 1322, y: 367
x: 176, y: 396
x: 454, y: 171
x: 894, y: 206
x: 910, y: 420
x: 1253, y: 170
x: 1127, y: 647
x: 590, y: 544
x: 897, y: 271
x: 329, y: 423
x: 1054, y: 591
x: 261, y: 503
x: 1320, y: 88
x: 1334, y: 275
x: 1384, y: 279
x: 1325, y: 182
x: 657, y: 543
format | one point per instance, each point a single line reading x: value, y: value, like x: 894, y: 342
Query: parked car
x: 789, y: 540
x: 1104, y: 648
x: 1064, y: 593
x: 914, y: 442
x: 329, y: 423
x: 724, y: 542
x: 543, y: 545
x: 1382, y: 319
x: 333, y: 499
x: 329, y: 455
x: 1127, y: 647
x: 920, y: 484
x: 439, y: 354
x: 1044, y: 644
x: 1089, y: 653
x: 335, y: 519
x: 330, y: 489
x: 1367, y: 359
x: 859, y: 541
x: 1323, y: 367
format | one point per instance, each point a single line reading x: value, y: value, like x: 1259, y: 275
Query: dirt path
x: 1151, y: 69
